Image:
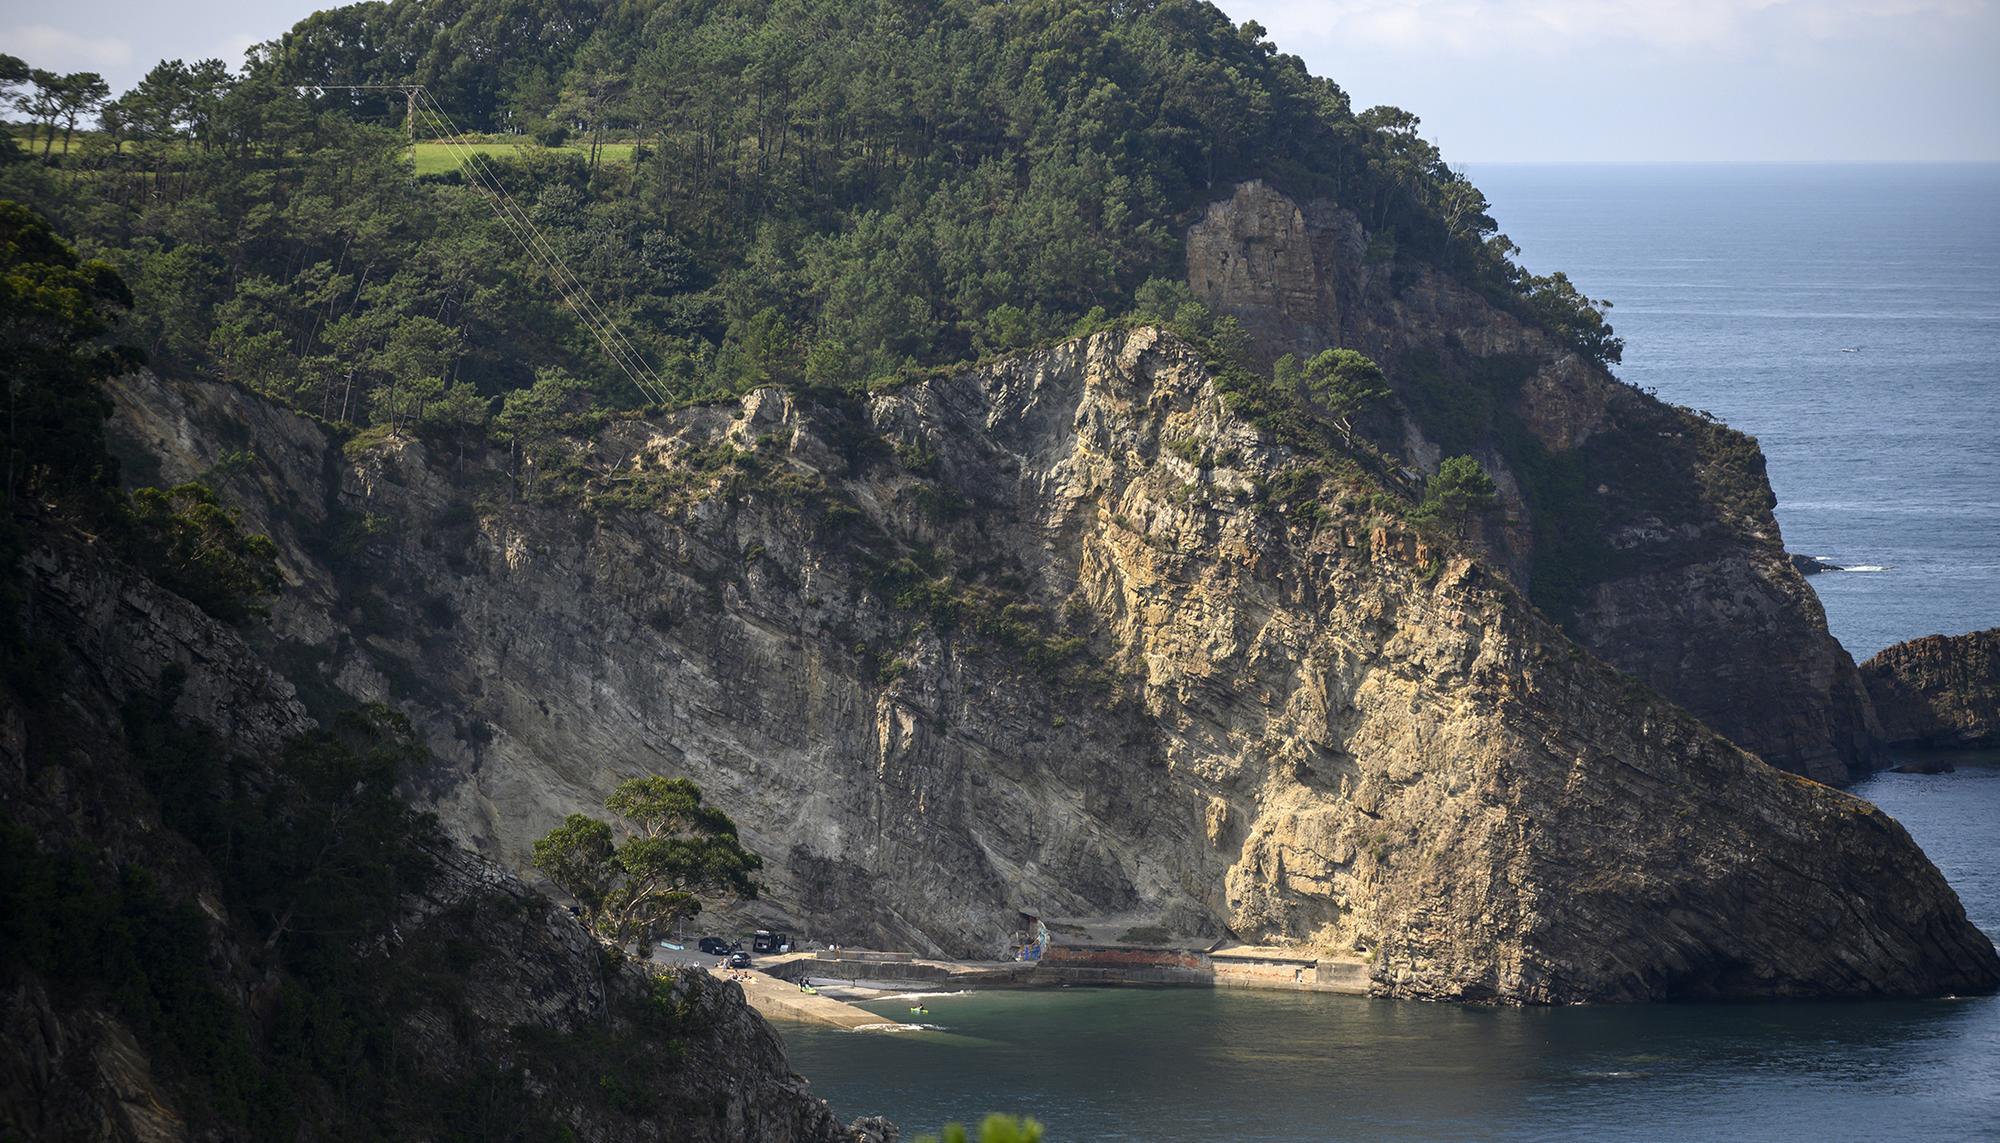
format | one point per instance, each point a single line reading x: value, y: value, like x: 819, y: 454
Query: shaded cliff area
x: 1644, y: 528
x: 220, y: 921
x: 1074, y: 634
x: 1938, y: 691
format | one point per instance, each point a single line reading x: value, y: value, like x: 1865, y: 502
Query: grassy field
x: 434, y: 158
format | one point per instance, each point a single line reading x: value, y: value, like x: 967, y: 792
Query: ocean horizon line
x: 1993, y: 162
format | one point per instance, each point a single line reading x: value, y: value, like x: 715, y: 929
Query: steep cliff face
x: 1940, y: 690
x: 1645, y: 529
x: 176, y: 1019
x: 1067, y: 635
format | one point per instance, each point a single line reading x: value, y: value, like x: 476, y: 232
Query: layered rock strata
x: 1068, y: 636
x: 1644, y: 528
x: 1939, y: 691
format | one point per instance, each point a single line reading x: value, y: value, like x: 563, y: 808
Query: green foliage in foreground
x: 677, y: 851
x: 993, y: 1129
x: 310, y: 853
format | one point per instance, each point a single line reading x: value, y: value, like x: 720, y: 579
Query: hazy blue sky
x: 1494, y: 80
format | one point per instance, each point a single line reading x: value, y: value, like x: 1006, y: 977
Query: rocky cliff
x: 1940, y: 690
x: 1645, y: 529
x: 140, y: 999
x: 1066, y: 635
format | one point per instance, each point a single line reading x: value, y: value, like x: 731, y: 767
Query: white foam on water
x: 894, y: 1026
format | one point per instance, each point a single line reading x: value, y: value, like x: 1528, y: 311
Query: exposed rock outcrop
x: 503, y: 1006
x: 1645, y: 529
x: 1940, y: 690
x: 1067, y: 635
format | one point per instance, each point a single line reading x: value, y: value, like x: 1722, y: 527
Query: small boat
x: 919, y: 1010
x: 808, y: 989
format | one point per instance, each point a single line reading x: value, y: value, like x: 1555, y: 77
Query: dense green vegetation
x: 286, y: 1014
x: 54, y: 307
x: 819, y: 191
x: 56, y: 314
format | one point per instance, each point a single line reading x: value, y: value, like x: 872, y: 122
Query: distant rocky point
x: 1940, y: 690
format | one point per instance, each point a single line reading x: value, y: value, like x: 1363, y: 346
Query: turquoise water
x: 1738, y: 290
x: 1848, y: 315
x: 1188, y: 1065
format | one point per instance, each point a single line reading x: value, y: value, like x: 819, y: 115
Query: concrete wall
x: 1082, y: 957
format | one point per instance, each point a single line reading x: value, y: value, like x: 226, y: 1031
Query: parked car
x: 739, y: 960
x: 713, y: 946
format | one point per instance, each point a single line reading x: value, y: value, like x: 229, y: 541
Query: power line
x: 616, y: 344
x: 609, y: 337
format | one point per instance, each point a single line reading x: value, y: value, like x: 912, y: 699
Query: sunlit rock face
x: 1050, y: 636
x: 1645, y: 529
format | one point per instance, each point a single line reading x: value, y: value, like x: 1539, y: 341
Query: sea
x: 1849, y: 317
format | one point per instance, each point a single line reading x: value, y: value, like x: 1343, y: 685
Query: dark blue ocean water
x: 1738, y: 290
x: 1847, y: 315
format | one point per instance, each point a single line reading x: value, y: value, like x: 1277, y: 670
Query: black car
x: 739, y: 960
x: 713, y: 946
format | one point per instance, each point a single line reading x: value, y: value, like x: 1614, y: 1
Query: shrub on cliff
x: 194, y: 547
x: 1576, y: 320
x: 1458, y: 492
x: 1339, y: 384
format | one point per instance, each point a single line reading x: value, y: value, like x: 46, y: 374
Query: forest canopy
x: 812, y: 192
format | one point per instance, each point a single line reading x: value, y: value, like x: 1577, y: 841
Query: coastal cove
x: 774, y: 573
x: 1737, y: 289
x: 1197, y: 1064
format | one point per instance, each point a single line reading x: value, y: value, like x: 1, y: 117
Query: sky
x: 1493, y: 80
